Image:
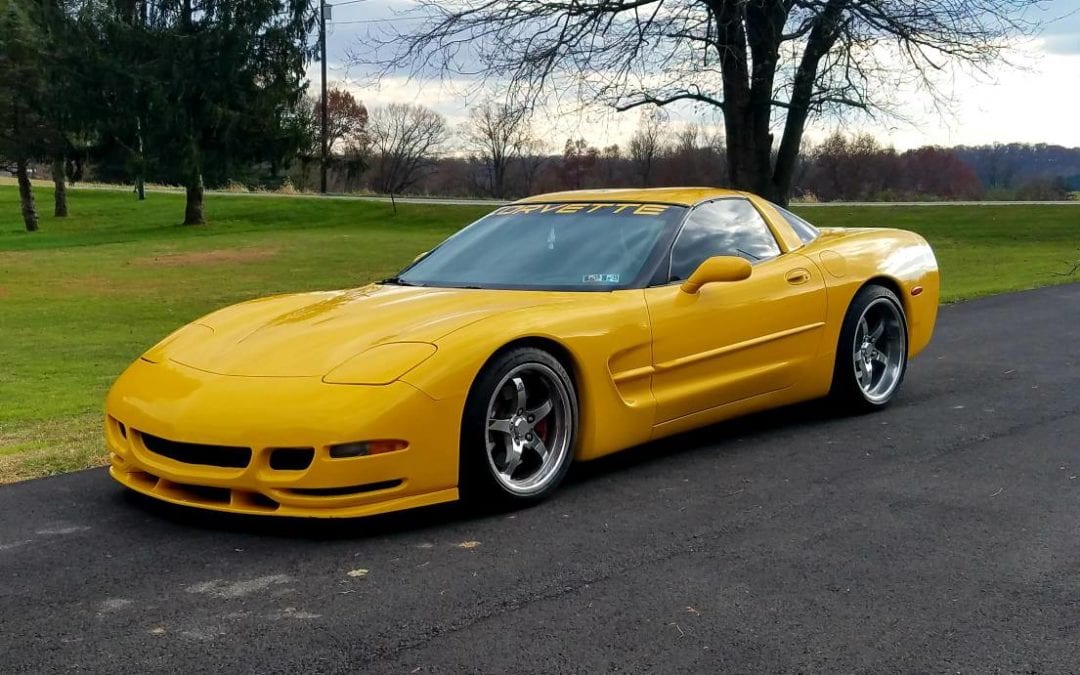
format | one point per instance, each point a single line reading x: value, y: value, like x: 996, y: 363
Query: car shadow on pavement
x: 711, y: 439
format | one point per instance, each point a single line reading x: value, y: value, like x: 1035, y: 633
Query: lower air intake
x: 195, y: 453
x: 348, y: 490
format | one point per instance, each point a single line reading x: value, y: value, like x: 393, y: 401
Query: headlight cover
x: 381, y: 364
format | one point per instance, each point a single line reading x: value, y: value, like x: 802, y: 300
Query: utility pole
x: 322, y: 48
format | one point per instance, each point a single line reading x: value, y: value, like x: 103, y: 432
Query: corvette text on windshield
x: 599, y: 207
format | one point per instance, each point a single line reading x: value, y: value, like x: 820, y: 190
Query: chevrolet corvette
x: 559, y: 328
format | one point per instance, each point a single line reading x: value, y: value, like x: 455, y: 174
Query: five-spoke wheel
x: 528, y: 426
x: 879, y: 349
x: 871, y: 356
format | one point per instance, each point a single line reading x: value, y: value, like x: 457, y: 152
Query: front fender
x: 608, y: 339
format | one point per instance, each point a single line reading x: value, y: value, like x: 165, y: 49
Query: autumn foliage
x: 859, y: 168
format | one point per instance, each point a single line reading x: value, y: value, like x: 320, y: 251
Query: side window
x: 806, y: 232
x: 723, y: 227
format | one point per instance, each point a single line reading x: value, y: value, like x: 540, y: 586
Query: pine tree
x: 22, y: 85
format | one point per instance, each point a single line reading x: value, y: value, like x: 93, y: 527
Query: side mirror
x: 717, y: 268
x: 421, y: 256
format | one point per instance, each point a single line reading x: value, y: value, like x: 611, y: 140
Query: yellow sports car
x: 562, y: 327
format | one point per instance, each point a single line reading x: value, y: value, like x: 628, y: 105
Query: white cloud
x: 1034, y: 102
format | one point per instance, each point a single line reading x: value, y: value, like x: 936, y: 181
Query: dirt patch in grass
x: 98, y: 286
x: 15, y: 257
x: 221, y: 256
x: 3, y: 292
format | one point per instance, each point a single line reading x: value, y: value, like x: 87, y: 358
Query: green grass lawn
x: 84, y: 296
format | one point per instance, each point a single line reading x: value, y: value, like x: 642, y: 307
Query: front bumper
x: 200, y: 439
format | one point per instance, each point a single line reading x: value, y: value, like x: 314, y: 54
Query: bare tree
x: 533, y: 159
x: 353, y: 161
x: 716, y: 151
x: 687, y: 139
x: 610, y: 161
x: 646, y: 144
x: 578, y: 161
x: 405, y: 139
x: 688, y: 156
x: 498, y: 134
x: 843, y: 167
x: 750, y: 59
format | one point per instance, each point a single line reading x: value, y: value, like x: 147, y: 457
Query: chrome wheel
x: 529, y: 428
x: 879, y: 350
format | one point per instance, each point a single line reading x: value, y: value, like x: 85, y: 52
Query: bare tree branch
x: 500, y: 134
x: 405, y: 139
x: 748, y: 59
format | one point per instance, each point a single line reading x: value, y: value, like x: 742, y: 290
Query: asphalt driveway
x: 942, y: 535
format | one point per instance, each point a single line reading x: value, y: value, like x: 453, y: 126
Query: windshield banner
x: 583, y: 207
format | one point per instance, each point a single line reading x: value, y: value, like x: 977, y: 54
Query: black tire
x: 485, y: 451
x: 854, y: 388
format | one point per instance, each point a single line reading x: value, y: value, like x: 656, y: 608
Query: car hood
x: 309, y: 334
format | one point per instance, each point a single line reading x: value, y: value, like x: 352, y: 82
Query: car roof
x: 683, y: 196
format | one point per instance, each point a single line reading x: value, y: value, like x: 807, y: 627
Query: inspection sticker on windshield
x: 600, y: 279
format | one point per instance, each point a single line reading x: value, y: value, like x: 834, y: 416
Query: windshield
x: 568, y: 246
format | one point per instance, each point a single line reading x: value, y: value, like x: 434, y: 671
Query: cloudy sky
x: 1035, y: 99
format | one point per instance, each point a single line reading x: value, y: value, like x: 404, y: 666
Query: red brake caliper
x: 541, y: 430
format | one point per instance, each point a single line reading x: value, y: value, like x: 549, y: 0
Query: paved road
x: 941, y: 535
x: 444, y: 201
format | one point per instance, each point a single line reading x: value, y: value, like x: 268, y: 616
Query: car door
x: 732, y: 340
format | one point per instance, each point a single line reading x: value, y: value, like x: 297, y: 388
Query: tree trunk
x: 193, y: 211
x: 498, y: 180
x: 140, y: 181
x: 748, y: 91
x: 749, y: 142
x: 748, y: 137
x: 60, y: 206
x: 26, y: 196
x: 821, y: 39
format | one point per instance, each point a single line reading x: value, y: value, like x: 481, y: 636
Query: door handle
x: 798, y: 276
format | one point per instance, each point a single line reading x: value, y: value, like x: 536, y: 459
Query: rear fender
x: 902, y: 261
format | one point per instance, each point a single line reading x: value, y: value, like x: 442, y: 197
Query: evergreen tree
x: 223, y: 80
x: 22, y: 86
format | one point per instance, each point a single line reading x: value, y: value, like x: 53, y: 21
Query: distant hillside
x: 1014, y: 164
